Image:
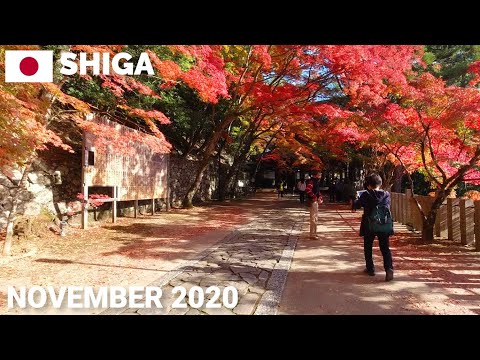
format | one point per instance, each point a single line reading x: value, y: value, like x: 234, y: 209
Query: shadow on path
x: 326, y: 276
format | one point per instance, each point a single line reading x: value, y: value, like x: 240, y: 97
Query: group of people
x: 376, y: 219
x: 341, y: 191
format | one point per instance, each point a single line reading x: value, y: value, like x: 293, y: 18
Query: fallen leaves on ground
x: 130, y: 252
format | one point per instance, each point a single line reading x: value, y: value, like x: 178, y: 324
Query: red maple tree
x: 27, y: 109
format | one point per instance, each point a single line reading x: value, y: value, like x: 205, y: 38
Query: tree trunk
x: 7, y: 245
x: 221, y: 180
x: 208, y: 152
x: 397, y: 179
x: 427, y: 231
x: 222, y: 191
x: 259, y: 161
x: 234, y: 172
x: 431, y: 217
x: 188, y: 199
x: 234, y: 183
x: 10, y: 221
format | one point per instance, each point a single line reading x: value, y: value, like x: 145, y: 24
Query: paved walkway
x: 326, y: 275
x: 254, y: 259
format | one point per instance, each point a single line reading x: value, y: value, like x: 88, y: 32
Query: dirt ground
x: 130, y: 252
x: 326, y: 276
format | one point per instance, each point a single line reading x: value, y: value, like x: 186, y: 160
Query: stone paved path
x: 254, y: 259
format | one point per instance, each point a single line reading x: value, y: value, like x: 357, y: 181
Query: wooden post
x: 114, y: 204
x: 463, y: 225
x: 443, y: 219
x: 399, y: 207
x: 395, y: 207
x: 402, y: 208
x: 407, y: 209
x: 416, y: 216
x: 84, y: 184
x: 450, y: 218
x: 135, y: 208
x: 467, y: 221
x: 393, y: 202
x: 440, y: 220
x: 455, y: 220
x: 85, y: 207
x: 168, y: 183
x: 477, y: 225
x: 153, y: 206
x: 408, y: 203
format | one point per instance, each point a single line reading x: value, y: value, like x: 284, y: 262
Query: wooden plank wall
x: 141, y: 174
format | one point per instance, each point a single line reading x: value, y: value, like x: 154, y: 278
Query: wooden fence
x: 457, y: 219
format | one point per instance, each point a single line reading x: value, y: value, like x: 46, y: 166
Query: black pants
x: 384, y: 243
x: 352, y: 202
x: 302, y: 196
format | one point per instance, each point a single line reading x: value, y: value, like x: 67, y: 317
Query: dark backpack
x: 380, y: 220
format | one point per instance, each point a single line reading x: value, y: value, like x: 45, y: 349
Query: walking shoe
x: 389, y: 275
x: 369, y: 272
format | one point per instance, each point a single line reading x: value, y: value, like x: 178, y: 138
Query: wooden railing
x: 457, y: 219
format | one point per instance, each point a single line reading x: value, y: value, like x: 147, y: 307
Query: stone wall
x: 40, y: 191
x: 43, y: 195
x: 182, y: 172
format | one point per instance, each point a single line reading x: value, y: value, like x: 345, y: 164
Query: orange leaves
x: 261, y: 54
x: 369, y: 72
x: 392, y: 158
x: 330, y: 111
x: 25, y: 108
x: 203, y: 71
x: 292, y: 85
x: 167, y: 69
x: 23, y: 121
x: 430, y: 126
x: 206, y: 74
x: 66, y: 99
x: 147, y: 115
x: 472, y: 194
x: 122, y: 141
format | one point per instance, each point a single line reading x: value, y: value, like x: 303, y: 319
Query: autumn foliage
x: 25, y: 109
x: 296, y: 105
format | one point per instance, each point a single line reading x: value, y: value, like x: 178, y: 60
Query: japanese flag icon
x: 28, y: 66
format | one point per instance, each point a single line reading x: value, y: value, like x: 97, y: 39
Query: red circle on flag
x: 29, y: 66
